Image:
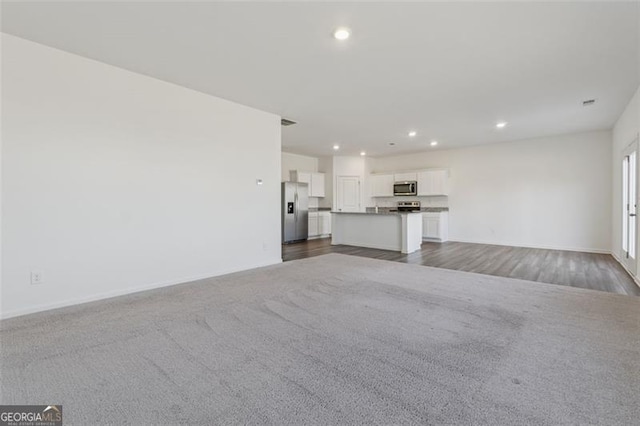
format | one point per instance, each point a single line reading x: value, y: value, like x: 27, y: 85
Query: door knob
x: 632, y: 214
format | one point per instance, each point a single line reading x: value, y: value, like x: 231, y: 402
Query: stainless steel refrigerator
x: 295, y: 211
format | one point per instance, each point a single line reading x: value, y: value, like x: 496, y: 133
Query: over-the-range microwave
x: 405, y: 188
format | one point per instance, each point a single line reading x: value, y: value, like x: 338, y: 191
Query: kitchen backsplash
x: 313, y: 202
x: 424, y: 201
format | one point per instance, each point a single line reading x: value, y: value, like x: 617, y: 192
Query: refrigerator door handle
x: 295, y: 207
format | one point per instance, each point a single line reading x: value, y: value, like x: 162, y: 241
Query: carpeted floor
x: 334, y: 339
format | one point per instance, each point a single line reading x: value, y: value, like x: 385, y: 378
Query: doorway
x: 348, y: 194
x: 629, y: 206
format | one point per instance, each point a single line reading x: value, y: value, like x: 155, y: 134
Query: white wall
x: 552, y: 192
x: 115, y: 182
x: 625, y: 132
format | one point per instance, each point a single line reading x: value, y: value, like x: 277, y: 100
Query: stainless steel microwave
x: 405, y: 188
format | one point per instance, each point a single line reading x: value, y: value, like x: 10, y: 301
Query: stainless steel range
x: 408, y: 206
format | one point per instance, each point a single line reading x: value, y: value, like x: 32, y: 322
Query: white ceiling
x: 450, y: 71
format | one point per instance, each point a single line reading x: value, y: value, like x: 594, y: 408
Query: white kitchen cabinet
x: 435, y: 226
x: 405, y: 177
x: 324, y: 223
x: 314, y: 230
x: 433, y: 182
x: 381, y: 185
x: 317, y: 185
x: 313, y: 179
x: 301, y: 177
x: 319, y: 224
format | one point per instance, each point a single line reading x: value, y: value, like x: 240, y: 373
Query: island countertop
x: 380, y: 213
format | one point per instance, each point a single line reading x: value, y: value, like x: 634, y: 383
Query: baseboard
x: 433, y: 240
x: 111, y: 294
x: 495, y: 243
x: 367, y: 245
x: 634, y: 277
x: 317, y: 237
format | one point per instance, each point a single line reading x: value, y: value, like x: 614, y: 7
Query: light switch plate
x: 36, y: 278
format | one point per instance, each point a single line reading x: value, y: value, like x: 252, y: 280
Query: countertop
x: 319, y: 209
x: 394, y: 210
x: 380, y: 213
x: 434, y: 209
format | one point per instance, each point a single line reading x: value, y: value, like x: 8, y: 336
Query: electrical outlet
x: 264, y: 246
x: 36, y: 278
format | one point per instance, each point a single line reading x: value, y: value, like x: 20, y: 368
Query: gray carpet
x: 334, y: 339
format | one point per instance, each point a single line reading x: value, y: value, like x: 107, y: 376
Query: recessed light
x: 434, y: 143
x: 336, y: 147
x: 501, y: 124
x: 363, y: 153
x: 341, y: 34
x: 412, y: 133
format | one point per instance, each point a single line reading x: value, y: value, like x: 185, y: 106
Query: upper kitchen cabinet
x: 405, y: 177
x: 313, y: 179
x: 317, y: 185
x: 433, y: 182
x: 381, y: 185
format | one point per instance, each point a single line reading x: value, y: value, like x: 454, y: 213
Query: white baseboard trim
x: 317, y: 237
x: 433, y: 240
x: 117, y: 293
x: 368, y: 245
x: 634, y: 277
x: 498, y: 243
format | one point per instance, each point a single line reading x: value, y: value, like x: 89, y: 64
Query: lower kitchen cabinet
x: 435, y: 226
x: 313, y: 224
x: 324, y: 223
x: 319, y: 224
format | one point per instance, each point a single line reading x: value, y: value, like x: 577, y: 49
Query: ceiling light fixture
x: 363, y: 153
x: 336, y: 147
x: 341, y: 34
x: 501, y: 124
x: 434, y: 143
x: 412, y: 133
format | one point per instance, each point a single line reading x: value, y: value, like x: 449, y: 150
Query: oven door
x: 404, y: 188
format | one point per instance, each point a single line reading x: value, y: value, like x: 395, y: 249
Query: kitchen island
x: 397, y: 231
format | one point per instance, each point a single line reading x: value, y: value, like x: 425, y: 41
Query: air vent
x: 589, y: 102
x: 286, y: 122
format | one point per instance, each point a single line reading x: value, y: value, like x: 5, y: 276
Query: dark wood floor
x: 575, y: 269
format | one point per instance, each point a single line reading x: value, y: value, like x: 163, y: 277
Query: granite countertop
x: 319, y: 209
x: 393, y: 210
x: 380, y: 213
x: 387, y: 210
x: 434, y: 209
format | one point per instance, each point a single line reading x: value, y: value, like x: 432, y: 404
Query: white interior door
x: 348, y: 194
x: 629, y: 206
